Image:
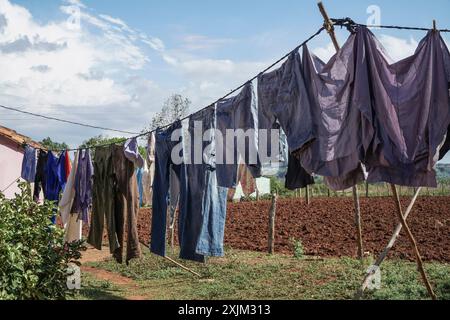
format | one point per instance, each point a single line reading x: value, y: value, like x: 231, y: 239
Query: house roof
x: 18, y: 138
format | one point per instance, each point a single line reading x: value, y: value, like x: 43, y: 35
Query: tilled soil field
x: 326, y: 227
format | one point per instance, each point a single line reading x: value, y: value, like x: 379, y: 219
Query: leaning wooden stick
x: 328, y: 24
x: 386, y: 250
x: 182, y: 267
x: 177, y: 263
x: 413, y: 242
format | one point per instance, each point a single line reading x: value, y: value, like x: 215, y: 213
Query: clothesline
x: 343, y: 22
x: 62, y: 120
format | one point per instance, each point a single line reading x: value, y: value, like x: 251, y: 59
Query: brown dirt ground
x: 93, y: 255
x: 326, y: 227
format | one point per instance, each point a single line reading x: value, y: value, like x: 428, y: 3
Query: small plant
x: 34, y: 257
x: 299, y: 250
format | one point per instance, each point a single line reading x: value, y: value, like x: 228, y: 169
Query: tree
x: 49, y: 144
x: 174, y: 108
x: 100, y: 140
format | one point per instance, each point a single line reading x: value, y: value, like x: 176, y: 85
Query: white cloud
x: 86, y: 75
x: 398, y: 48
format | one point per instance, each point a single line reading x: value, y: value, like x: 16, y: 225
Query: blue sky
x: 127, y: 57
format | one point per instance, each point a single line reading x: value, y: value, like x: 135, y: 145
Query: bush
x: 34, y: 258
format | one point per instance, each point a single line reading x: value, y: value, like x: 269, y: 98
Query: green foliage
x: 33, y: 255
x: 299, y: 250
x: 100, y: 140
x: 51, y: 145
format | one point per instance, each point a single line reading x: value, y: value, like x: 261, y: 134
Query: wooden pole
x: 367, y: 189
x: 391, y: 243
x: 272, y: 213
x: 413, y: 242
x: 328, y: 25
x: 330, y: 29
x: 308, y: 200
x: 358, y: 224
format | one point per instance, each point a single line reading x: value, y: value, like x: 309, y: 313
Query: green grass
x: 94, y: 289
x: 251, y: 275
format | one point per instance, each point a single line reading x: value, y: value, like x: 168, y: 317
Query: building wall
x: 11, y: 156
x: 263, y: 185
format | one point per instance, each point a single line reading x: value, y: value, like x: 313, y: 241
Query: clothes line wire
x: 62, y: 120
x: 10, y: 185
x: 351, y: 25
x: 343, y: 22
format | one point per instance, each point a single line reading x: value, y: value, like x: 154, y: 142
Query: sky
x: 117, y: 66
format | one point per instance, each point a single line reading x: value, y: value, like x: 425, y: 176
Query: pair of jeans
x: 237, y: 123
x: 161, y: 184
x: 203, y: 202
x: 210, y: 242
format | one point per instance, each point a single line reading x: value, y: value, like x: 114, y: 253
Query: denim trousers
x: 161, y: 186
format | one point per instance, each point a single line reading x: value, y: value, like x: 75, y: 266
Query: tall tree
x: 49, y: 144
x: 174, y: 108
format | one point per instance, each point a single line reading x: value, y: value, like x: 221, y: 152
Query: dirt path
x: 124, y: 283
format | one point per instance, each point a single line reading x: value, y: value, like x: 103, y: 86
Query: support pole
x: 390, y: 245
x: 328, y: 24
x: 272, y: 214
x: 308, y: 200
x: 413, y: 242
x: 358, y: 224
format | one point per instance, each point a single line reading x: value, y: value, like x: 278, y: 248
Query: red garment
x: 68, y: 165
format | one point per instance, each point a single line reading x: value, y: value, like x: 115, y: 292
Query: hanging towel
x: 29, y: 164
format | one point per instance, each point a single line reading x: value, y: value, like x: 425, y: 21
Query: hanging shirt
x: 234, y: 115
x: 410, y: 109
x: 337, y: 93
x: 29, y: 164
x: 72, y: 225
x: 55, y: 178
x: 131, y: 150
x: 83, y: 185
x: 40, y: 179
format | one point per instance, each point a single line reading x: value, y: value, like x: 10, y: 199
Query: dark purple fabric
x: 410, y: 107
x: 83, y: 185
x: 446, y: 146
x: 393, y: 118
x: 337, y: 94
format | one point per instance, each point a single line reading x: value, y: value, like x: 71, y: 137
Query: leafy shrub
x: 33, y: 255
x: 299, y: 250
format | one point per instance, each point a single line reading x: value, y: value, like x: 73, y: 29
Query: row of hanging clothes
x: 98, y: 189
x: 358, y: 117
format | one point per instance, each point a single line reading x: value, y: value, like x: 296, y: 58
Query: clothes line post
x: 413, y: 242
x: 386, y: 250
x: 328, y: 24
